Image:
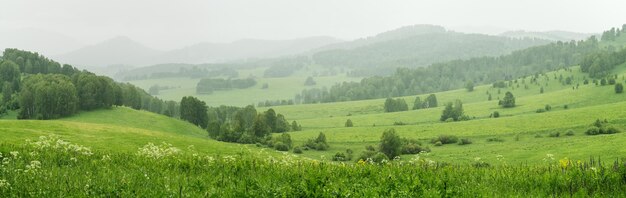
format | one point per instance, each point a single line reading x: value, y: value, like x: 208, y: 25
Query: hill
x: 116, y: 130
x: 548, y: 35
x: 115, y: 51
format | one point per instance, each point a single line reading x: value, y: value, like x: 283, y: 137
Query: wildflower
x: 33, y: 166
x: 4, y: 184
x: 549, y: 157
x: 564, y: 163
x: 153, y: 151
x: 14, y: 154
x: 106, y: 158
x: 396, y: 158
x: 499, y: 157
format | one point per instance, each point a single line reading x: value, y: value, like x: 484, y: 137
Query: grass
x: 53, y: 168
x: 118, y: 130
x: 279, y: 88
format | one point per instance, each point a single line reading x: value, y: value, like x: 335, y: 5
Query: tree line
x: 456, y: 74
x: 49, y: 90
x: 208, y: 85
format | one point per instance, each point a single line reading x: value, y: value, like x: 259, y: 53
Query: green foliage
x: 548, y: 107
x: 47, y: 96
x: 600, y: 64
x: 295, y: 126
x: 619, y: 88
x: 495, y: 139
x: 394, y: 105
x: 194, y: 111
x: 94, y: 92
x: 297, y: 150
x: 555, y: 134
x: 495, y: 114
x: 349, y: 123
x: 508, y: 101
x: 318, y: 143
x: 601, y: 127
x: 309, y: 81
x: 445, y: 139
x: 430, y: 102
x: 569, y: 132
x: 469, y: 86
x: 208, y: 85
x: 390, y: 144
x: 465, y: 141
x: 417, y: 104
x: 412, y: 146
x: 452, y: 112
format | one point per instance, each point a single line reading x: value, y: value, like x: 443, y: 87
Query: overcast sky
x: 165, y: 24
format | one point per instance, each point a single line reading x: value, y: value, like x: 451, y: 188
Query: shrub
x: 565, y: 106
x: 611, y: 130
x: 554, y: 134
x: 496, y: 114
x: 438, y: 143
x: 548, y: 107
x: 593, y: 131
x: 373, y: 155
x: 445, y: 139
x: 569, y: 132
x: 411, y: 146
x: 297, y: 150
x: 619, y: 88
x: 495, y: 139
x: 465, y: 141
x: 540, y: 110
x: 390, y: 143
x: 399, y: 123
x: 349, y: 123
x: 538, y: 136
x: 340, y: 156
x: 318, y: 143
x: 281, y: 146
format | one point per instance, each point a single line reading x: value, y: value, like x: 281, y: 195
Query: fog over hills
x: 548, y: 35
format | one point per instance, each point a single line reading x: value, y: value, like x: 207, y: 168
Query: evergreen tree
x: 619, y: 88
x: 349, y: 123
x: 194, y: 111
x: 508, y: 100
x: 417, y: 104
x: 390, y: 144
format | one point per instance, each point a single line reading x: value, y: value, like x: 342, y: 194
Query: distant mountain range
x: 125, y: 51
x: 36, y: 40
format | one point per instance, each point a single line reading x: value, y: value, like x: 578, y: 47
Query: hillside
x: 548, y: 35
x: 115, y: 51
x: 417, y: 46
x: 522, y: 135
x: 117, y: 130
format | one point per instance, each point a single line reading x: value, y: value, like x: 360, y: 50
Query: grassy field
x: 524, y: 132
x: 278, y: 88
x: 117, y: 130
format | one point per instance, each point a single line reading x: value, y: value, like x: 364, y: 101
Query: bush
x: 340, y: 156
x: 438, y: 143
x: 565, y: 106
x: 496, y: 114
x: 465, y: 141
x: 495, y: 139
x: 297, y: 150
x: 548, y: 107
x: 611, y: 130
x: 593, y: 131
x: 569, y: 132
x: 318, y: 143
x: 349, y: 123
x: 390, y: 143
x: 554, y: 134
x: 540, y: 110
x: 373, y: 155
x: 411, y: 146
x: 445, y: 139
x: 281, y: 146
x: 619, y: 88
x: 399, y: 123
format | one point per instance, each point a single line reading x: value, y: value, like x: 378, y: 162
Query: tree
x: 154, y: 90
x: 260, y: 127
x: 7, y: 91
x: 47, y: 96
x: 431, y: 101
x: 309, y: 81
x: 194, y: 111
x: 508, y: 100
x: 393, y: 105
x: 295, y: 126
x: 469, y: 86
x: 281, y: 124
x: 417, y: 104
x: 349, y: 123
x: 9, y: 71
x: 619, y: 88
x: 541, y: 90
x: 390, y: 144
x: 270, y: 119
x: 454, y: 112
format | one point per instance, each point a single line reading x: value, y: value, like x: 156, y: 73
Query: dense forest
x: 208, y: 85
x: 49, y: 90
x: 457, y: 73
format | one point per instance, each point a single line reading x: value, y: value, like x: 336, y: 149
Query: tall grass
x: 50, y: 167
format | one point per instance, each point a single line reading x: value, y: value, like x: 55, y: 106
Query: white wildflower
x: 4, y: 184
x: 15, y: 154
x: 499, y: 157
x: 157, y: 152
x: 106, y: 158
x: 33, y: 166
x: 549, y: 157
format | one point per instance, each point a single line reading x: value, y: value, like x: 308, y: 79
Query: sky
x: 168, y: 24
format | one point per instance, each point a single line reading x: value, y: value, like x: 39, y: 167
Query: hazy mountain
x: 44, y: 42
x: 125, y: 51
x: 116, y: 51
x: 243, y: 49
x: 400, y: 33
x: 416, y: 46
x: 549, y: 35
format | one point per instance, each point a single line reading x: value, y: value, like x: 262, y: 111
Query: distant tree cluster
x: 508, y: 101
x: 245, y: 125
x: 309, y: 81
x: 612, y: 34
x: 49, y: 90
x: 454, y: 113
x: 186, y: 72
x: 600, y: 64
x: 285, y: 67
x: 272, y: 103
x: 208, y: 85
x: 391, y: 146
x: 394, y: 105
